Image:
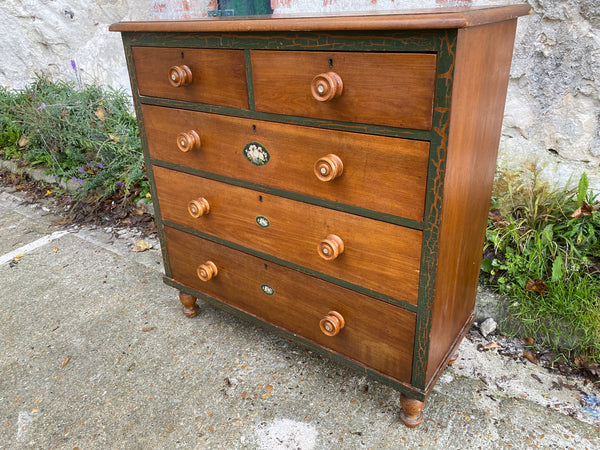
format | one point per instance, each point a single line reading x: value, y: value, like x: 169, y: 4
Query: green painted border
x: 283, y: 262
x: 249, y: 79
x: 421, y: 135
x: 147, y: 162
x: 337, y: 357
x: 396, y: 220
x: 433, y: 203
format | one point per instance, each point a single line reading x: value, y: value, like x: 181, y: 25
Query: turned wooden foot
x: 453, y: 359
x: 190, y: 309
x: 412, y: 411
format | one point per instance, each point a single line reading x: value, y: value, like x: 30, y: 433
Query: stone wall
x: 552, y: 117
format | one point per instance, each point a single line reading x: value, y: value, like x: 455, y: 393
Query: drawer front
x: 379, y: 173
x: 393, y: 89
x: 218, y: 76
x: 375, y: 333
x: 378, y: 256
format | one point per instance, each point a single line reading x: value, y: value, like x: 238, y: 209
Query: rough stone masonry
x: 552, y: 116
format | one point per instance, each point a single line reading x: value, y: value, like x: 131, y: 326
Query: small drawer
x: 375, y: 255
x: 379, y: 173
x: 393, y: 89
x: 377, y: 334
x: 212, y: 76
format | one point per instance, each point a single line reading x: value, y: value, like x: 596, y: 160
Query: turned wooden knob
x: 328, y: 167
x: 188, y: 141
x: 331, y: 247
x: 198, y: 207
x: 207, y: 271
x: 332, y: 323
x: 326, y: 86
x: 180, y: 76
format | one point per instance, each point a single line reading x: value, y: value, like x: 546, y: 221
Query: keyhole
x: 330, y: 63
x: 260, y: 198
x: 254, y: 128
x: 183, y: 56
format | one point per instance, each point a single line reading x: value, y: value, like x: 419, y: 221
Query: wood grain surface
x: 380, y: 173
x: 379, y: 256
x: 219, y: 75
x: 375, y: 333
x: 393, y: 89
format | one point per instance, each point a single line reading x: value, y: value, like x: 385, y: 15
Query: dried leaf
x: 55, y: 249
x: 266, y: 394
x: 23, y: 141
x: 490, y: 346
x: 538, y: 286
x: 114, y: 137
x: 585, y: 209
x: 100, y: 114
x: 148, y: 329
x: 529, y: 341
x: 531, y: 357
x: 141, y: 246
x: 66, y: 361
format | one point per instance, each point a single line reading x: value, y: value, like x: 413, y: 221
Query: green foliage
x: 543, y: 252
x: 85, y: 134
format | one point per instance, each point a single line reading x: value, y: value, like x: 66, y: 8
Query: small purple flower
x: 100, y: 166
x: 119, y: 184
x: 73, y: 65
x: 31, y: 95
x: 80, y: 169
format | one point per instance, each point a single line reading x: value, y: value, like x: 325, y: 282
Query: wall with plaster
x: 552, y: 116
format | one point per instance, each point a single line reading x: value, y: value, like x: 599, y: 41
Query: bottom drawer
x: 376, y: 334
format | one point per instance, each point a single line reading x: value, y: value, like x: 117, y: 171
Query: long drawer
x: 375, y: 333
x: 376, y: 255
x: 379, y: 173
x: 394, y: 89
x: 215, y: 76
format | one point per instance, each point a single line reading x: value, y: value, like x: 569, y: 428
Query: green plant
x: 543, y: 252
x: 86, y: 134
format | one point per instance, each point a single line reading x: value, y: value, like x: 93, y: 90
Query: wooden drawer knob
x: 332, y: 323
x: 328, y: 167
x: 331, y: 247
x: 198, y: 207
x: 326, y: 86
x: 180, y: 76
x: 207, y: 271
x: 188, y: 141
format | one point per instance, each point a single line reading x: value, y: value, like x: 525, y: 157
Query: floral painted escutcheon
x: 256, y: 154
x: 262, y: 221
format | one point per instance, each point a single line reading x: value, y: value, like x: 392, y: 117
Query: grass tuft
x: 543, y: 252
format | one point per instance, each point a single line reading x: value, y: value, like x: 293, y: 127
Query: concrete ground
x: 94, y: 353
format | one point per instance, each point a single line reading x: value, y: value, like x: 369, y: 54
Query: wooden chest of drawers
x: 329, y: 177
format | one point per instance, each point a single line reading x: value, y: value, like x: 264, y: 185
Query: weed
x: 85, y: 133
x: 543, y: 252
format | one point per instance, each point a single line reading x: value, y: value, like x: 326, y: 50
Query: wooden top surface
x: 385, y: 20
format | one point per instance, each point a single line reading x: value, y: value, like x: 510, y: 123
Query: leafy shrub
x: 543, y: 252
x: 86, y: 134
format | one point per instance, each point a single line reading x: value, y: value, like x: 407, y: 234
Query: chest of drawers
x: 329, y: 177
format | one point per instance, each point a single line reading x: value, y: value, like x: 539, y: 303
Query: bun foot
x: 412, y: 411
x: 190, y: 309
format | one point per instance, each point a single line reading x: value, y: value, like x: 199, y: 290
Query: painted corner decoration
x: 256, y: 154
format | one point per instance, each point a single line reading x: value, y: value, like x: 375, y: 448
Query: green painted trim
x: 337, y: 357
x: 433, y: 203
x: 421, y: 135
x: 363, y: 41
x: 284, y: 263
x: 147, y: 161
x: 408, y: 223
x: 249, y: 80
